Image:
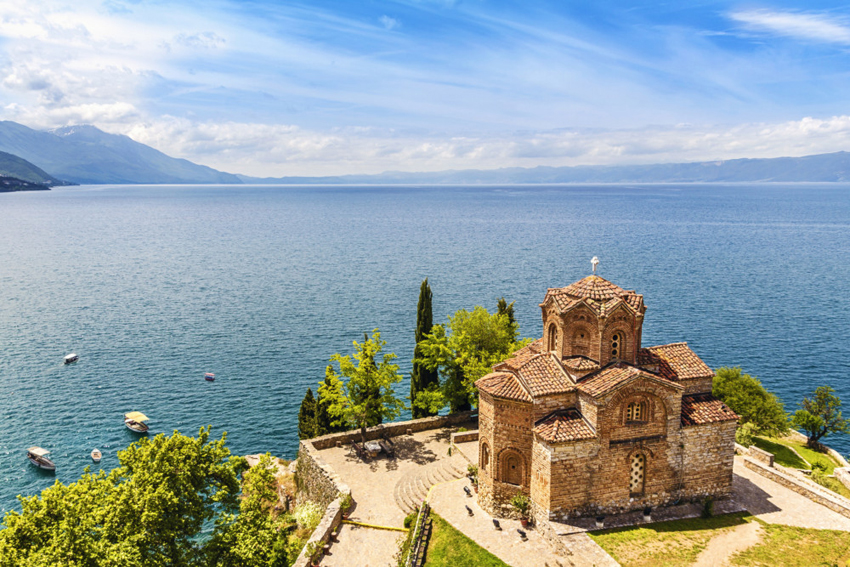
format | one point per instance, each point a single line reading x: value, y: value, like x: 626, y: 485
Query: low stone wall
x: 394, y: 429
x: 760, y: 455
x: 331, y: 519
x: 843, y: 475
x: 464, y: 436
x: 823, y: 496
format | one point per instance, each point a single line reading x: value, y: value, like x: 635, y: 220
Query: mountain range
x: 87, y: 155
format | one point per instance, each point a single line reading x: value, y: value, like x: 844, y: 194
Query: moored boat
x: 209, y: 377
x: 69, y: 358
x: 38, y: 457
x: 96, y: 455
x: 135, y: 421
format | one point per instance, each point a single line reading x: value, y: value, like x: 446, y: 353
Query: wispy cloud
x: 807, y: 26
x: 389, y: 23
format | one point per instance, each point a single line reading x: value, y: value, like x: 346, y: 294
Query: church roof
x: 699, y: 409
x: 564, y: 425
x: 598, y: 293
x: 612, y: 376
x: 675, y: 361
x: 503, y: 385
x: 580, y: 363
x: 542, y: 375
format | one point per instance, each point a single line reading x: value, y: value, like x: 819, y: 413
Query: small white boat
x: 38, y: 457
x: 69, y: 358
x: 135, y: 421
x: 96, y: 455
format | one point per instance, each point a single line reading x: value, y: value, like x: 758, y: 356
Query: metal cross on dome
x: 595, y: 262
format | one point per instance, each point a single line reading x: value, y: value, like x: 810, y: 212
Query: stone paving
x: 424, y: 457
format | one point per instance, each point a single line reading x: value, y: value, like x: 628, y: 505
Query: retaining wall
x: 394, y: 429
x: 823, y: 496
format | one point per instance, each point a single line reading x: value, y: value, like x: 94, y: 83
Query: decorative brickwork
x: 585, y: 421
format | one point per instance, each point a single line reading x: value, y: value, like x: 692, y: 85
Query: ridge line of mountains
x: 34, y: 159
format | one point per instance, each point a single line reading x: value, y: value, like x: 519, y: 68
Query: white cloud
x: 280, y: 150
x: 389, y: 23
x: 800, y: 25
x: 203, y: 40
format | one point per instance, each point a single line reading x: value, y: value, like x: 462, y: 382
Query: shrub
x: 462, y: 429
x: 521, y: 503
x: 744, y: 434
x: 708, y: 507
x: 308, y: 515
x: 410, y: 518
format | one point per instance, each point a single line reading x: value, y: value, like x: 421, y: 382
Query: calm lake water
x: 155, y: 285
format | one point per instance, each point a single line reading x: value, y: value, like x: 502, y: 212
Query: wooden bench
x: 387, y: 447
x: 362, y: 453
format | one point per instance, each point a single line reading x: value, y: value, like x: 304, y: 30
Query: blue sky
x: 286, y: 88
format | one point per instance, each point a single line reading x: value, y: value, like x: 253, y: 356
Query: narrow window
x: 616, y: 345
x: 636, y: 411
x: 485, y: 456
x: 553, y: 337
x: 636, y: 474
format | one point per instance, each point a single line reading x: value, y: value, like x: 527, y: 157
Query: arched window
x: 581, y: 339
x: 637, y: 471
x: 553, y: 337
x: 636, y: 411
x: 485, y: 456
x: 512, y: 472
x: 616, y: 345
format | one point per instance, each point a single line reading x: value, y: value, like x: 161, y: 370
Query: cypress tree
x: 505, y: 308
x: 307, y: 416
x: 421, y: 377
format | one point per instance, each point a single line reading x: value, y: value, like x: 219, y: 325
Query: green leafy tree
x: 474, y: 342
x: 307, y: 417
x: 258, y: 536
x: 147, y: 512
x: 366, y: 398
x: 820, y: 415
x: 746, y: 396
x: 422, y: 377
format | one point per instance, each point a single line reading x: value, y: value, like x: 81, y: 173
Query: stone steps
x: 412, y: 488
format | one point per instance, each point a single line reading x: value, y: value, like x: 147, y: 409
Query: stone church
x: 587, y: 421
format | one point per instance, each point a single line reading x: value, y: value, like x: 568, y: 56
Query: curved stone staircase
x: 413, y: 487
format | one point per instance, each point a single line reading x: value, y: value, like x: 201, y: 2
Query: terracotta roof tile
x: 580, y: 363
x: 542, y: 375
x: 607, y: 379
x: 521, y: 356
x: 598, y: 293
x: 564, y: 425
x: 503, y: 385
x: 699, y: 409
x: 675, y: 361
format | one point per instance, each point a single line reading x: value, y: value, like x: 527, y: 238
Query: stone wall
x: 760, y: 455
x: 315, y: 479
x: 394, y: 429
x: 817, y: 494
x: 708, y: 459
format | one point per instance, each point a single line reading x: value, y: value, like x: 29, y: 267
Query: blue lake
x: 155, y: 285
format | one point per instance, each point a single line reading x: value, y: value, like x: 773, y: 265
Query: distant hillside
x: 84, y: 154
x: 815, y: 168
x: 13, y: 167
x: 10, y: 184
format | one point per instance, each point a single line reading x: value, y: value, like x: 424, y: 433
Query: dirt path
x: 722, y: 547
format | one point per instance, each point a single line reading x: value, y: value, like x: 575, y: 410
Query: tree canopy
x: 147, y: 512
x: 366, y: 398
x: 747, y: 397
x: 820, y: 415
x: 464, y: 351
x: 307, y: 416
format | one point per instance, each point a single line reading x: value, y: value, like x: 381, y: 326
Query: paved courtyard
x: 386, y: 489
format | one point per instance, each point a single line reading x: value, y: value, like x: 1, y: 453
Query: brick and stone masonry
x: 585, y: 421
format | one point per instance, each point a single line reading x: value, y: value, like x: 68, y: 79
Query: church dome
x: 593, y: 287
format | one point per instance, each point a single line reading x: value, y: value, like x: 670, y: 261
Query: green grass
x: 665, y: 544
x: 786, y: 457
x: 796, y: 547
x: 782, y: 455
x: 450, y: 548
